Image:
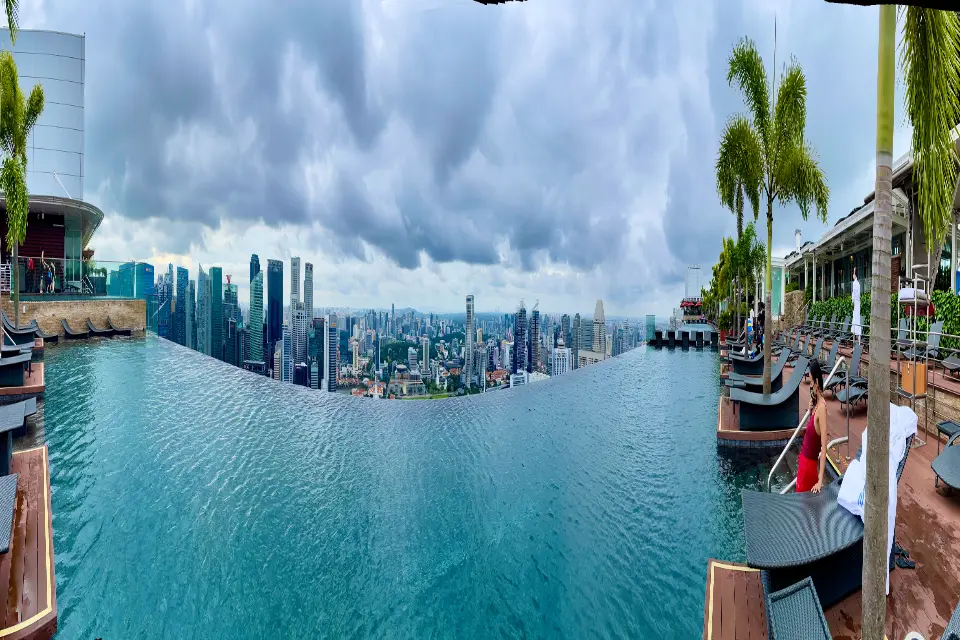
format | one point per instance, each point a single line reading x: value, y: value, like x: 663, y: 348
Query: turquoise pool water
x: 195, y: 500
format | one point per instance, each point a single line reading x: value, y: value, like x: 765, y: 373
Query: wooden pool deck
x: 27, y: 570
x: 928, y: 527
x: 33, y: 386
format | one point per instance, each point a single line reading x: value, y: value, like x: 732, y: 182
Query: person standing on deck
x: 813, y: 452
x: 855, y: 292
x: 758, y: 331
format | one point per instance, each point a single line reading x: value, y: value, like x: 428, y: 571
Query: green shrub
x: 792, y: 286
x: 947, y: 306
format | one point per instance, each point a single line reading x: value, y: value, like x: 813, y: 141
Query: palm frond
x: 930, y: 59
x: 801, y: 179
x: 746, y: 69
x: 790, y: 115
x: 14, y: 185
x: 34, y: 108
x: 739, y: 164
x: 13, y: 18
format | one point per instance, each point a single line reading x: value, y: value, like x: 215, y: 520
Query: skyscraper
x: 469, y: 342
x: 287, y: 350
x: 231, y: 320
x: 274, y: 303
x: 300, y: 324
x: 180, y: 311
x: 534, y: 349
x: 561, y: 359
x: 256, y: 315
x: 203, y: 313
x: 330, y: 354
x: 520, y: 339
x: 294, y: 282
x: 425, y: 347
x: 308, y: 290
x: 575, y: 336
x: 216, y: 312
x: 254, y: 266
x: 599, y: 329
x: 191, y: 311
x: 565, y: 330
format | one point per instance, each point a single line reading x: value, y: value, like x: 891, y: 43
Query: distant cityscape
x: 377, y: 353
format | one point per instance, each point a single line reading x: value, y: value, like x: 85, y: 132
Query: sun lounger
x: 902, y: 343
x: 807, y: 535
x: 747, y: 365
x: 103, y: 333
x: 827, y: 365
x: 13, y: 418
x: 755, y: 383
x: 25, y: 336
x: 802, y: 349
x: 70, y: 334
x: 12, y: 369
x: 779, y: 410
x: 8, y: 498
x: 947, y: 464
x: 47, y: 337
x: 952, y: 632
x: 815, y: 354
x: 794, y: 613
x: 839, y: 380
x: 120, y: 331
x: 931, y: 349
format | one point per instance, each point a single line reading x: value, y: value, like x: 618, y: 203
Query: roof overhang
x: 90, y: 216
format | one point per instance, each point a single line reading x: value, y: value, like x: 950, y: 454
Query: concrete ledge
x: 124, y: 313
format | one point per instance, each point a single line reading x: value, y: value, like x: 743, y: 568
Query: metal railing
x: 43, y: 276
x: 802, y: 422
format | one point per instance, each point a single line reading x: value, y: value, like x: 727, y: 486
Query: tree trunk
x: 15, y: 284
x: 768, y: 311
x: 876, y: 549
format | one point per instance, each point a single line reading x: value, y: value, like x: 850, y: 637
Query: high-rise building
x: 254, y: 266
x: 316, y: 339
x: 180, y: 311
x: 561, y: 359
x: 216, y: 312
x: 298, y: 317
x: 586, y: 335
x: 294, y: 282
x: 287, y: 350
x: 278, y: 362
x: 469, y: 337
x: 599, y: 329
x: 314, y: 375
x: 330, y: 354
x: 520, y: 339
x: 203, y: 313
x: 425, y: 348
x: 534, y: 349
x: 308, y: 290
x: 651, y: 327
x: 565, y: 330
x: 575, y: 337
x: 274, y: 303
x: 256, y: 315
x: 191, y: 312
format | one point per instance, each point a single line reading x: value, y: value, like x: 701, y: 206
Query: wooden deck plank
x: 28, y: 596
x: 33, y: 383
x: 728, y: 608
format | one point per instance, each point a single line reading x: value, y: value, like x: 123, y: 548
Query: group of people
x: 47, y: 273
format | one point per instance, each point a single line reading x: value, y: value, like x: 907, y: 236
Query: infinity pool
x: 195, y: 500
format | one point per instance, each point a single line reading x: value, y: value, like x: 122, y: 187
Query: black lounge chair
x: 817, y: 347
x: 902, y: 343
x: 773, y: 412
x: 826, y: 326
x: 755, y: 383
x: 102, y: 333
x: 47, y: 337
x: 23, y: 336
x: 947, y: 464
x: 13, y: 369
x: 827, y: 365
x: 13, y: 420
x: 794, y: 613
x: 120, y: 331
x: 8, y: 499
x: 747, y: 365
x: 839, y: 379
x: 931, y: 349
x: 795, y: 536
x: 952, y: 632
x: 802, y: 349
x: 70, y: 334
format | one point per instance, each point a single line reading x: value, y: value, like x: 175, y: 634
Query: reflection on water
x: 190, y: 496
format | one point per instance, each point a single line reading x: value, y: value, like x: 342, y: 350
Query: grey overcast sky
x: 419, y: 150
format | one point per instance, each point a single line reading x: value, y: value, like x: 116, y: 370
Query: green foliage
x: 807, y: 296
x: 947, y: 305
x: 725, y: 321
x: 792, y: 286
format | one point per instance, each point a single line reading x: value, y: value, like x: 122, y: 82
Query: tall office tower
x: 412, y: 359
x: 317, y: 341
x: 534, y: 357
x: 294, y: 282
x: 256, y: 316
x: 506, y: 355
x: 330, y: 354
x: 425, y: 348
x: 287, y: 350
x: 254, y: 266
x: 599, y: 329
x: 308, y: 290
x: 164, y: 301
x: 314, y: 375
x: 565, y: 330
x: 278, y: 364
x: 561, y: 359
x: 274, y: 304
x: 586, y: 335
x: 203, y: 312
x: 216, y: 312
x: 231, y: 340
x: 169, y: 276
x: 298, y: 317
x: 470, y: 334
x: 180, y: 311
x: 192, y: 315
x: 520, y: 339
x: 575, y: 336
x: 393, y: 319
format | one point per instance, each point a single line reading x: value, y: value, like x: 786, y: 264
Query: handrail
x: 793, y: 436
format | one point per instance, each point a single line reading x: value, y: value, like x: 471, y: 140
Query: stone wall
x: 124, y: 313
x: 792, y: 304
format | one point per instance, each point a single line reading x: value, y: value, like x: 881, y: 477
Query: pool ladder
x: 802, y: 422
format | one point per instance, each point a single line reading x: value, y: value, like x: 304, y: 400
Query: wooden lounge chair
x: 125, y: 331
x: 773, y: 412
x: 755, y: 383
x: 70, y: 334
x: 102, y: 333
x: 795, y: 536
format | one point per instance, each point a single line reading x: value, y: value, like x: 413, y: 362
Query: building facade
x: 520, y: 340
x: 331, y: 345
x: 308, y: 290
x: 599, y: 329
x: 256, y: 316
x: 216, y: 312
x: 470, y: 333
x: 274, y: 303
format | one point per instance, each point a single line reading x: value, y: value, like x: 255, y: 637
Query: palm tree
x: 18, y: 115
x: 770, y: 144
x: 737, y: 178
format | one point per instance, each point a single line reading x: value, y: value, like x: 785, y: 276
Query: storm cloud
x: 553, y: 145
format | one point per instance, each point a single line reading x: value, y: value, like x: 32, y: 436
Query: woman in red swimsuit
x: 813, y: 451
